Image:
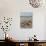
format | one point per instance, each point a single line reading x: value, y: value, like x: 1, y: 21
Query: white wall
x: 12, y: 8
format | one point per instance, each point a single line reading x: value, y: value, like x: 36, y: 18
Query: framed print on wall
x: 26, y: 20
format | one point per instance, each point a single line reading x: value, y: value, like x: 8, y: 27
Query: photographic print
x: 26, y: 20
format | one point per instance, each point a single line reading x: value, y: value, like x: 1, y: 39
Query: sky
x: 26, y: 13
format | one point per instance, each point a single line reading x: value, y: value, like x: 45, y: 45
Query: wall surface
x: 13, y: 8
